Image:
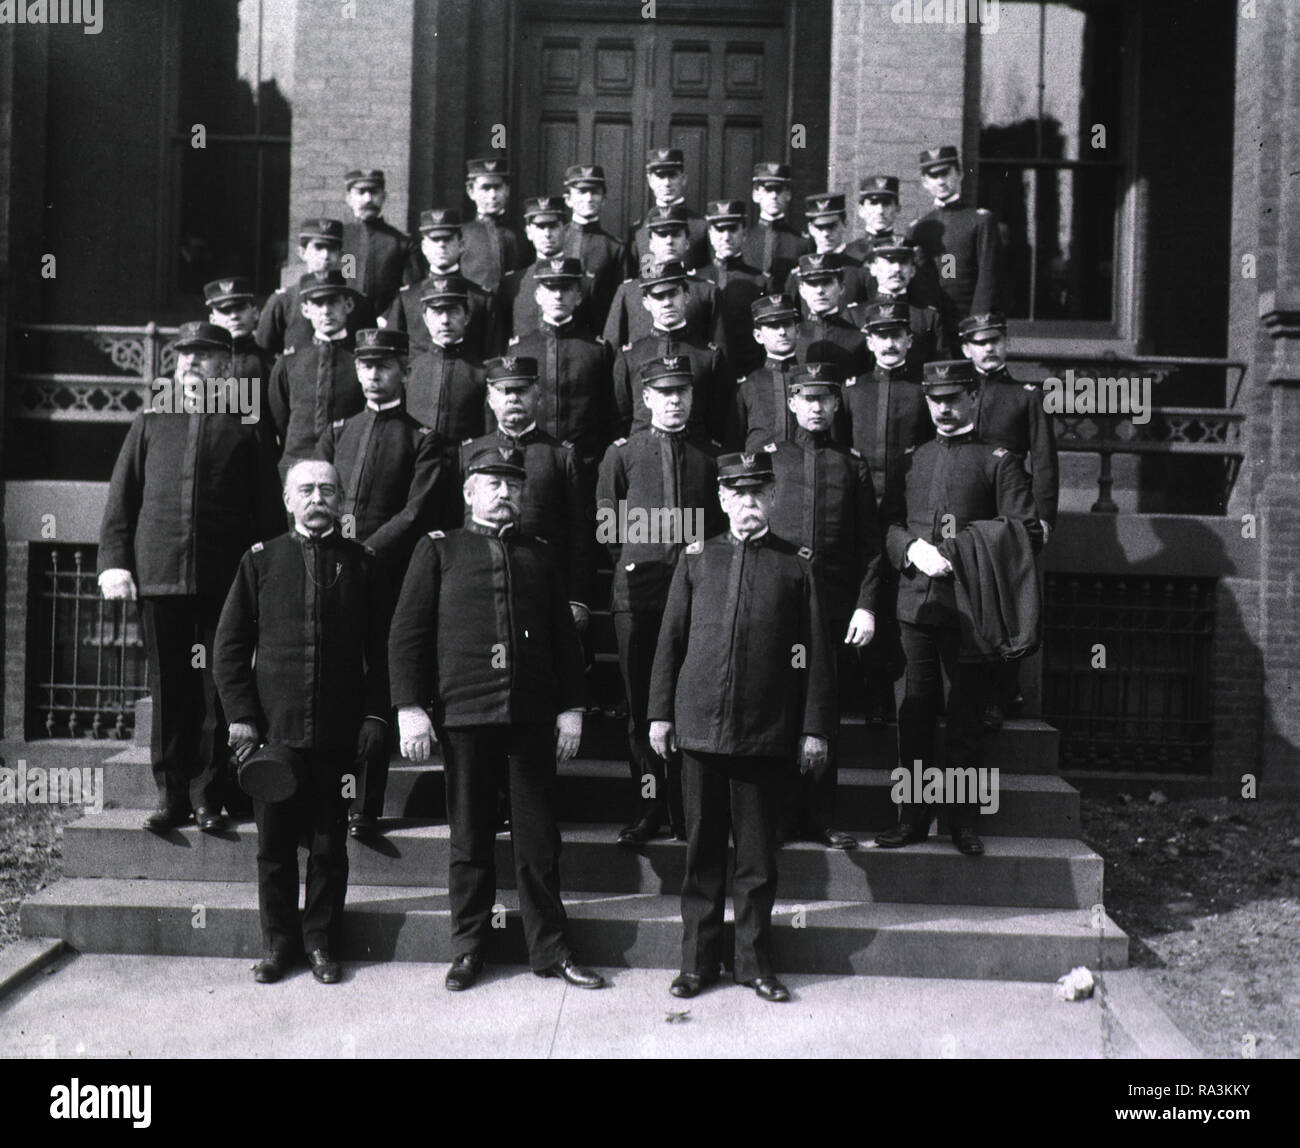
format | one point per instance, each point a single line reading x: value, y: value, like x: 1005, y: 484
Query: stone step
x: 220, y: 919
x: 1022, y: 871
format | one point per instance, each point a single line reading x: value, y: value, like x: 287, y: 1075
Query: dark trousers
x: 479, y: 761
x: 637, y: 634
x: 931, y: 653
x: 736, y: 797
x: 315, y: 818
x: 188, y: 736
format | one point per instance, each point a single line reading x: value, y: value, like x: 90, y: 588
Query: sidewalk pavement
x: 178, y: 1007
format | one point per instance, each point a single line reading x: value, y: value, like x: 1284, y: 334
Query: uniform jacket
x: 189, y: 494
x: 774, y: 248
x: 519, y: 302
x: 628, y: 320
x: 446, y: 391
x: 931, y: 338
x: 971, y: 235
x: 760, y: 414
x: 603, y: 260
x: 856, y: 281
x: 657, y: 471
x: 483, y: 631
x: 309, y: 390
x: 941, y: 487
x: 835, y: 338
x: 996, y: 586
x: 311, y: 613
x: 738, y: 284
x: 386, y: 259
x: 492, y: 250
x: 638, y: 242
x: 883, y: 412
x: 743, y: 665
x: 282, y: 327
x: 1011, y: 414
x: 712, y: 386
x: 485, y: 333
x: 825, y: 502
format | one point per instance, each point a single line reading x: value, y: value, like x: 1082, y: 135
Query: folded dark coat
x: 997, y: 590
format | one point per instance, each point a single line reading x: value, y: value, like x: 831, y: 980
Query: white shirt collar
x: 752, y: 537
x: 532, y: 426
x: 954, y: 433
x: 388, y: 406
x: 956, y: 195
x: 309, y: 534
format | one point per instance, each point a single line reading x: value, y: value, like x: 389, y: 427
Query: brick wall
x: 6, y: 312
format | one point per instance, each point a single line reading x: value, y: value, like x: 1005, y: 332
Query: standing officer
x: 761, y: 415
x: 831, y: 331
x: 877, y: 212
x: 939, y: 488
x: 666, y: 468
x: 825, y: 504
x: 189, y: 494
x: 827, y: 220
x: 230, y: 305
x: 483, y: 636
x: 442, y: 245
x: 492, y: 248
x: 300, y: 663
x: 601, y: 255
x: 446, y: 389
x: 743, y: 683
x: 386, y: 258
x: 774, y: 244
x: 892, y: 266
x: 544, y: 225
x: 972, y: 281
x: 665, y: 175
x: 738, y: 283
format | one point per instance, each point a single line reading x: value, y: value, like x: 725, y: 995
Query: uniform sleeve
x: 940, y: 340
x: 566, y: 652
x: 122, y: 509
x: 1015, y: 499
x: 738, y: 428
x: 423, y: 498
x: 412, y: 637
x: 623, y: 395
x: 268, y: 494
x: 379, y: 606
x: 820, y: 699
x: 582, y: 549
x: 1042, y: 455
x: 395, y: 316
x: 233, y: 647
x: 722, y: 397
x: 271, y: 325
x: 325, y: 445
x: 988, y: 285
x: 616, y: 325
x: 670, y: 652
x: 893, y: 514
x: 277, y: 397
x: 496, y: 330
x: 869, y: 538
x: 611, y: 487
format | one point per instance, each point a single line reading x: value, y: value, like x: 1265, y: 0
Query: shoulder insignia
x: 713, y: 346
x: 770, y: 447
x: 741, y: 379
x: 715, y: 442
x: 601, y: 340
x: 258, y: 547
x: 999, y: 452
x: 568, y: 445
x: 339, y: 422
x: 910, y: 450
x: 436, y: 534
x: 620, y: 442
x: 290, y: 350
x: 983, y: 211
x: 421, y: 429
x: 696, y: 547
x: 281, y: 291
x: 626, y: 347
x: 1031, y: 386
x: 805, y: 552
x: 853, y: 382
x: 468, y: 441
x: 853, y: 450
x: 370, y: 550
x: 914, y: 223
x: 514, y: 339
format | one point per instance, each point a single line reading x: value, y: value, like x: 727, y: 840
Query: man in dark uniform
x: 761, y: 414
x: 446, y: 389
x: 738, y: 283
x: 664, y: 298
x: 939, y: 488
x: 665, y: 175
x: 1011, y: 414
x: 312, y: 387
x: 393, y: 474
x: 189, y: 494
x: 825, y: 502
x: 574, y: 367
x: 300, y: 663
x: 774, y: 243
x: 971, y: 280
x: 827, y: 220
x: 282, y: 325
x: 442, y: 245
x: 831, y: 331
x: 665, y: 469
x: 492, y: 248
x: 483, y: 636
x: 385, y: 257
x: 877, y: 211
x: 892, y: 266
x: 601, y: 255
x: 669, y: 242
x: 544, y: 225
x: 743, y: 685
x: 230, y: 305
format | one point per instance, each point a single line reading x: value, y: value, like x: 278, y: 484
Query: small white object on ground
x: 1076, y: 985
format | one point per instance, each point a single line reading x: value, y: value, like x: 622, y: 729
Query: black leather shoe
x: 769, y: 988
x: 166, y: 818
x: 271, y: 968
x: 968, y: 842
x: 464, y: 972
x: 904, y: 833
x: 209, y: 820
x: 991, y: 716
x: 361, y: 825
x: 689, y: 984
x: 574, y: 974
x: 643, y: 829
x: 324, y: 967
x: 834, y: 839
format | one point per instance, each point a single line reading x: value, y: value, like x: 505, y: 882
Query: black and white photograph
x: 657, y: 530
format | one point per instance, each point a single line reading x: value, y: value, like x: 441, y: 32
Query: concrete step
x: 1023, y: 871
x: 189, y: 918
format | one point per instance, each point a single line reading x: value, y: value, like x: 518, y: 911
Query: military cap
x: 372, y: 176
x: 823, y: 205
x: 492, y: 459
x: 744, y: 469
x: 671, y: 271
x: 317, y: 283
x: 674, y: 218
x: 773, y: 308
x: 381, y: 343
x: 985, y: 321
x: 579, y: 173
x: 945, y: 375
x: 444, y: 289
x: 726, y: 211
x: 940, y: 157
x: 271, y: 773
x: 658, y: 157
x: 820, y: 265
x: 439, y: 221
x: 558, y: 269
x: 669, y: 371
x: 884, y: 315
x: 331, y: 230
x: 191, y: 336
x: 903, y: 250
x: 227, y: 290
x: 882, y: 185
x: 510, y: 367
x: 545, y: 206
x: 825, y: 377
x: 487, y: 165
x: 771, y: 173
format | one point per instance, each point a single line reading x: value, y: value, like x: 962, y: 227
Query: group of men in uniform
x: 768, y: 429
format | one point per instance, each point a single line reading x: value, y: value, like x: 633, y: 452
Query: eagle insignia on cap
x: 821, y: 204
x: 770, y: 448
x: 227, y: 285
x: 696, y: 547
x: 510, y: 363
x: 747, y: 460
x: 675, y: 362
